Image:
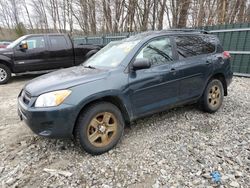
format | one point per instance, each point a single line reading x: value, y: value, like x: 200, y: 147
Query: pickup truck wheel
x: 213, y: 96
x: 5, y: 74
x: 90, y: 53
x: 99, y: 128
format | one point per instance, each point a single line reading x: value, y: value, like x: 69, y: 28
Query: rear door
x: 195, y: 55
x: 61, y: 52
x: 35, y: 57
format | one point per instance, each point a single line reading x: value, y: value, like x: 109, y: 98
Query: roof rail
x: 189, y: 30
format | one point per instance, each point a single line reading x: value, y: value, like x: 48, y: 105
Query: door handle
x: 173, y: 71
x: 208, y: 62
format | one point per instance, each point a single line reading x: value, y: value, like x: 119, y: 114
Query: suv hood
x: 63, y: 79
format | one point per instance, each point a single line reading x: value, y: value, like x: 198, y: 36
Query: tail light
x: 226, y: 55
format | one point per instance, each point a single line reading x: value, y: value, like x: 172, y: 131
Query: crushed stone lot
x: 176, y: 148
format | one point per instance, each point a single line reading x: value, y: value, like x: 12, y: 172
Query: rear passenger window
x: 188, y: 46
x: 58, y: 42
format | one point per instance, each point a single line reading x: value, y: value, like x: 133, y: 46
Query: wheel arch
x: 91, y: 53
x: 6, y: 63
x: 221, y: 77
x: 115, y: 100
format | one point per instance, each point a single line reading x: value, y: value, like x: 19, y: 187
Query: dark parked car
x: 4, y: 44
x: 124, y: 81
x: 42, y: 52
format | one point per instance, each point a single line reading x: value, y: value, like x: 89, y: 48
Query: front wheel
x: 5, y: 74
x: 99, y: 128
x: 213, y: 96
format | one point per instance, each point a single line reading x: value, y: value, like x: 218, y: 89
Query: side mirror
x: 23, y: 45
x: 142, y: 63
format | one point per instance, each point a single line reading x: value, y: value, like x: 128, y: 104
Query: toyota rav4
x: 126, y: 80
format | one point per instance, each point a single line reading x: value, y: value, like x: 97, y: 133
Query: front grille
x: 26, y: 97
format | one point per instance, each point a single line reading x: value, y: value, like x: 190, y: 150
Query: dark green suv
x: 124, y: 81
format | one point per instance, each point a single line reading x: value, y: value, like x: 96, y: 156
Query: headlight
x: 54, y: 98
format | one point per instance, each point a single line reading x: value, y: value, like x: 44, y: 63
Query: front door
x: 34, y: 58
x: 155, y: 88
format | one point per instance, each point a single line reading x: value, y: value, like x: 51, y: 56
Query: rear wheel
x: 5, y: 74
x: 99, y: 128
x: 213, y: 96
x: 91, y: 53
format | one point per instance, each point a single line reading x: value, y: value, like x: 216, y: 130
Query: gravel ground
x: 177, y: 148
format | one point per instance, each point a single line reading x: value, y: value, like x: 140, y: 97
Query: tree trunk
x: 183, y: 15
x: 161, y: 14
x: 92, y: 9
x: 242, y: 11
x: 174, y: 10
x: 201, y: 14
x: 222, y: 11
x: 107, y: 15
x: 234, y: 11
x: 155, y: 6
x: 27, y: 12
x: 145, y: 15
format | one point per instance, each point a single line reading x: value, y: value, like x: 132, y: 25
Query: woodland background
x: 89, y: 17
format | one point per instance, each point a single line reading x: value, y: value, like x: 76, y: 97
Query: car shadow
x: 142, y: 124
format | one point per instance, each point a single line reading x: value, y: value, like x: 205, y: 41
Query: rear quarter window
x: 188, y: 46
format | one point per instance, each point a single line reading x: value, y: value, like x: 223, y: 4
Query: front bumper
x: 54, y: 122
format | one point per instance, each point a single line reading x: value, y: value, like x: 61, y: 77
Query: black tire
x: 83, y: 128
x: 5, y: 74
x: 213, y: 96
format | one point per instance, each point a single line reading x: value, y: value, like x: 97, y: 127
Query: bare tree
x: 162, y: 8
x: 92, y: 16
x: 119, y: 6
x: 183, y: 14
x: 201, y: 14
x: 242, y: 11
x: 5, y: 14
x: 101, y: 16
x: 28, y: 14
x: 107, y: 15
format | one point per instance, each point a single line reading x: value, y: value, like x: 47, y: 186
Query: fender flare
x: 108, y: 94
x: 6, y: 61
x: 90, y: 53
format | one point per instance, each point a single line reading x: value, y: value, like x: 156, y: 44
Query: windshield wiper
x: 89, y: 66
x: 163, y: 54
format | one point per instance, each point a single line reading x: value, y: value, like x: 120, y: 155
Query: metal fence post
x: 103, y: 39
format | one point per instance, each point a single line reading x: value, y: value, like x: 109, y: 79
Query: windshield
x: 16, y: 42
x: 112, y: 54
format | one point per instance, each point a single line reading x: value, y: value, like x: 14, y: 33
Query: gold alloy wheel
x: 102, y: 129
x: 214, y: 96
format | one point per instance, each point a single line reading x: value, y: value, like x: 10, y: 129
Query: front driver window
x: 158, y: 51
x: 35, y: 42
